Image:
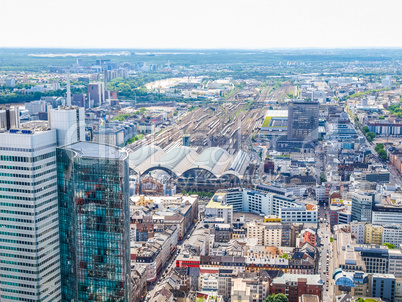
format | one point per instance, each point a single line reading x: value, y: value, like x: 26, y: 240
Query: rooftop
x: 95, y: 150
x: 311, y: 279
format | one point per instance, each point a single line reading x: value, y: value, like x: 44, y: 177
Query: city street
x: 325, y: 271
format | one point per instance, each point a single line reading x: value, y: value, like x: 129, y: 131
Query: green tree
x: 184, y: 192
x: 383, y: 154
x: 365, y: 129
x: 277, y: 298
x: 378, y: 147
x: 370, y: 136
x: 389, y: 245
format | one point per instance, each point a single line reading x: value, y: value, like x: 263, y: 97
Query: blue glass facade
x: 94, y: 223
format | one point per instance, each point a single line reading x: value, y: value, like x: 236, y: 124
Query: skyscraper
x: 303, y: 120
x: 96, y: 92
x: 69, y: 123
x: 94, y: 222
x: 29, y: 237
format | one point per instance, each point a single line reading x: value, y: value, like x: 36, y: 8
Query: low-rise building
x: 296, y: 285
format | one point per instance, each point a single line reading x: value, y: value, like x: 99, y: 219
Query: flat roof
x: 95, y: 150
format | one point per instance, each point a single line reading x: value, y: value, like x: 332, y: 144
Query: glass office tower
x: 94, y: 222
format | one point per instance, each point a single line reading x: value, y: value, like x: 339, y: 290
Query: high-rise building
x: 9, y: 118
x: 29, y: 240
x: 69, y: 123
x: 96, y: 93
x: 361, y: 206
x: 303, y: 120
x: 94, y: 222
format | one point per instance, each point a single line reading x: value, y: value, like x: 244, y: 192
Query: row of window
x: 27, y: 198
x: 27, y: 175
x: 23, y: 183
x: 28, y: 168
x: 27, y: 149
x: 27, y: 191
x: 26, y: 159
x: 28, y: 206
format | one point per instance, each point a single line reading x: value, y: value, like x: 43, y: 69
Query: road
x: 324, y: 233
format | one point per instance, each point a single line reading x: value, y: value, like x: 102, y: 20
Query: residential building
x: 296, y: 285
x: 358, y: 230
x: 138, y: 283
x: 248, y: 287
x: 153, y: 254
x: 373, y: 234
x: 29, y: 257
x: 95, y: 228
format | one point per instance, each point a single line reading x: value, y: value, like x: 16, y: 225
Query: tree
x: 277, y: 298
x: 383, y: 154
x: 184, y: 192
x: 370, y: 136
x: 365, y: 129
x: 378, y: 147
x: 389, y: 245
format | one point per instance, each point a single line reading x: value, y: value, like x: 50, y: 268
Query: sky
x: 194, y: 24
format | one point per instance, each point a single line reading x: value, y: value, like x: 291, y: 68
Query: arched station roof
x: 182, y: 159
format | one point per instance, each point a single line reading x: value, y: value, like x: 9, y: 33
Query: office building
x: 383, y: 286
x: 69, y: 123
x: 392, y: 234
x: 96, y: 93
x: 94, y: 222
x: 386, y: 214
x: 306, y: 213
x: 29, y: 249
x: 303, y: 120
x: 9, y: 118
x: 361, y: 206
x: 216, y: 209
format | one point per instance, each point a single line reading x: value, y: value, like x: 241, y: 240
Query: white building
x: 305, y: 213
x: 29, y: 249
x: 385, y: 217
x: 208, y: 283
x: 215, y: 208
x: 69, y: 123
x: 392, y: 234
x: 358, y: 229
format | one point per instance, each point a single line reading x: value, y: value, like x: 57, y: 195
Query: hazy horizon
x: 123, y: 24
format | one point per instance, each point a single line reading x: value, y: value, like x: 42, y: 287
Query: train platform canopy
x: 141, y: 159
x: 182, y: 159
